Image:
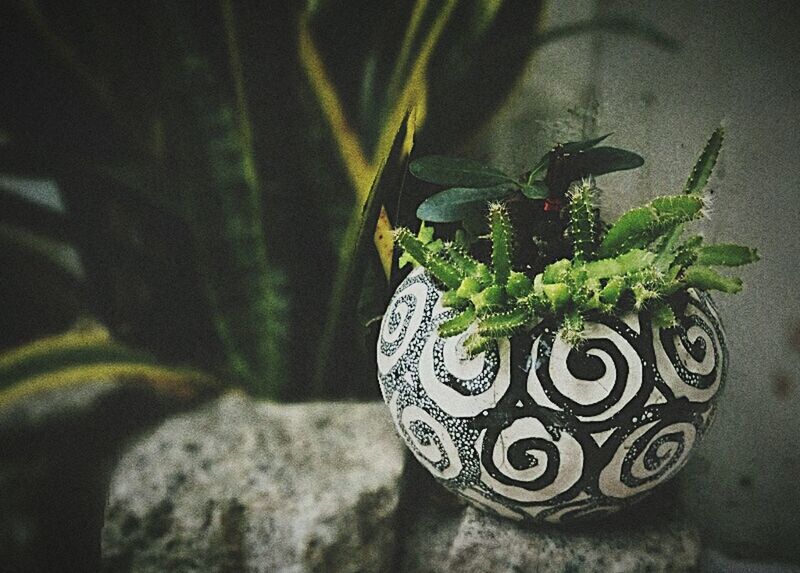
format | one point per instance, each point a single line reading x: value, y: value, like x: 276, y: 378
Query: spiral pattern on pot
x: 593, y: 382
x: 433, y: 446
x: 527, y: 462
x: 650, y: 454
x: 405, y: 320
x: 689, y: 357
x: 460, y: 385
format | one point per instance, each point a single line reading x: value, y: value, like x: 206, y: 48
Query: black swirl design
x: 650, y: 454
x: 398, y: 320
x: 529, y: 462
x: 473, y: 385
x: 584, y: 364
x: 690, y: 356
x: 599, y: 382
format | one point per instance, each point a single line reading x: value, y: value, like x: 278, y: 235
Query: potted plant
x: 540, y: 362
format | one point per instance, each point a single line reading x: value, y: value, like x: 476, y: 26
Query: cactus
x: 706, y: 278
x: 663, y: 315
x: 571, y: 330
x: 438, y: 266
x: 705, y: 163
x: 640, y: 227
x: 457, y: 324
x: 475, y: 344
x: 726, y: 255
x: 502, y: 239
x: 501, y: 324
x: 519, y: 285
x: 461, y: 259
x: 643, y: 262
x: 583, y: 219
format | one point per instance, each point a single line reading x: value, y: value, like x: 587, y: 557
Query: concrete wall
x: 738, y: 64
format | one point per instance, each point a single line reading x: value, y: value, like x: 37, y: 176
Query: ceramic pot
x: 534, y: 429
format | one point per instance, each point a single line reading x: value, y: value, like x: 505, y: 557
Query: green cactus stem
x: 457, y: 324
x: 639, y: 227
x: 503, y: 324
x: 440, y: 268
x: 461, y: 259
x: 705, y: 163
x: 475, y: 344
x: 583, y: 219
x: 519, y: 285
x: 663, y: 315
x: 502, y: 239
x: 490, y: 298
x: 727, y: 255
x: 705, y: 278
x: 557, y: 272
x: 450, y: 299
x: 571, y: 330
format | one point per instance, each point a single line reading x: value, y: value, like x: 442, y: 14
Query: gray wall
x: 739, y: 64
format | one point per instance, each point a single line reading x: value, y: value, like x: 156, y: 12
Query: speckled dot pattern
x: 536, y: 430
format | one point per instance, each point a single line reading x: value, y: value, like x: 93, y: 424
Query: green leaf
x: 726, y: 255
x: 535, y: 190
x: 457, y: 203
x: 578, y: 146
x: 601, y: 160
x: 457, y: 172
x: 705, y: 163
x: 705, y: 278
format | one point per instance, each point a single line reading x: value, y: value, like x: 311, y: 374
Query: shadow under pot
x: 534, y: 429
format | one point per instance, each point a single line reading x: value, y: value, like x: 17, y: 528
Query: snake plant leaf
x: 458, y: 172
x: 706, y: 278
x: 76, y: 358
x: 728, y: 255
x: 705, y: 163
x: 345, y: 292
x: 457, y: 203
x: 33, y: 216
x: 41, y: 294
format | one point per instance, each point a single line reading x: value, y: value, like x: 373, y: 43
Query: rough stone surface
x: 249, y: 486
x: 445, y: 538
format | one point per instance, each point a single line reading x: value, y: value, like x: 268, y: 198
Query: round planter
x: 534, y: 429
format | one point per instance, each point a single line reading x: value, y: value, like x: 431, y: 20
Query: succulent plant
x: 644, y: 262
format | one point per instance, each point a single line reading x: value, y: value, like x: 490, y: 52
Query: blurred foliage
x: 221, y: 165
